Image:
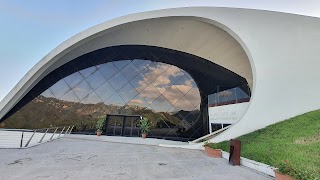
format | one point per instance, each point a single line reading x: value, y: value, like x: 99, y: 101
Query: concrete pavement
x: 87, y: 159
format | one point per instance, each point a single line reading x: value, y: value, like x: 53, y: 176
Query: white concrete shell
x: 277, y: 53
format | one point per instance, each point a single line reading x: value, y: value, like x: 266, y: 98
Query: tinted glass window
x: 164, y: 93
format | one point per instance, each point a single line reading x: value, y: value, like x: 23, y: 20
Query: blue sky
x: 31, y: 29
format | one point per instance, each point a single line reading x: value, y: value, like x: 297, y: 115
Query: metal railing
x: 209, y: 136
x: 23, y: 138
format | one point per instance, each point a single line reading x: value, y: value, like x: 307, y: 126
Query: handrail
x: 211, y: 134
x: 42, y: 132
x: 29, y: 130
x: 20, y: 130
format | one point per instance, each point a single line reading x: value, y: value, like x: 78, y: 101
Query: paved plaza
x: 70, y: 158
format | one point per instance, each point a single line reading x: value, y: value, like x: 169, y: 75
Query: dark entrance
x: 122, y: 125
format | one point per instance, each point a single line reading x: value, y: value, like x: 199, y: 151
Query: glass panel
x: 184, y: 104
x: 70, y: 96
x: 150, y: 93
x: 191, y: 117
x: 118, y: 81
x: 212, y: 100
x: 241, y: 94
x: 141, y: 64
x: 121, y: 64
x: 184, y: 84
x: 130, y: 71
x: 59, y: 89
x: 227, y: 95
x: 88, y: 71
x: 139, y: 82
x: 194, y: 96
x: 132, y: 126
x: 73, y: 79
x: 172, y: 94
x: 105, y: 91
x: 114, y: 125
x: 95, y: 80
x: 161, y: 104
x: 48, y: 93
x: 215, y: 127
x: 138, y: 101
x: 175, y: 73
x: 91, y: 99
x: 161, y: 83
x: 108, y: 70
x: 127, y: 92
x: 154, y: 70
x: 181, y: 128
x: 115, y: 100
x: 82, y: 90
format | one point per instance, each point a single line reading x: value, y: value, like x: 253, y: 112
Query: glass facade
x: 164, y: 93
x: 174, y: 89
x: 230, y: 96
x: 234, y: 106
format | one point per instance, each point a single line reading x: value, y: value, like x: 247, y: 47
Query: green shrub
x: 100, y: 124
x: 145, y: 125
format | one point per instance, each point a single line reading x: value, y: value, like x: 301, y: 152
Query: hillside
x: 296, y: 140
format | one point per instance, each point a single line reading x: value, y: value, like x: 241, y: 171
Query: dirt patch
x: 308, y: 140
x: 19, y: 161
x: 92, y: 157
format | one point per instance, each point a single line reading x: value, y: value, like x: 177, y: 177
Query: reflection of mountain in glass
x: 46, y: 112
x: 165, y: 94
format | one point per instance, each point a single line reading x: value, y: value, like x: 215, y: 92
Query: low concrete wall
x: 264, y: 168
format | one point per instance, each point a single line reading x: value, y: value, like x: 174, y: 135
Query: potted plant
x: 144, y: 127
x: 99, y: 126
x: 211, y: 150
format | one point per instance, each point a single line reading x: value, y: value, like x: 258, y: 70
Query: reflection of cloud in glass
x: 225, y: 93
x: 162, y: 76
x: 152, y: 84
x: 136, y: 101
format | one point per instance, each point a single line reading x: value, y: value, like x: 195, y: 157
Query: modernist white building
x: 189, y: 70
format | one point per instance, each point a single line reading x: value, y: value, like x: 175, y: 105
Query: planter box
x: 280, y: 176
x: 216, y: 153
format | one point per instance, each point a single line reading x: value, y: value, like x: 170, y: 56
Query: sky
x: 31, y: 29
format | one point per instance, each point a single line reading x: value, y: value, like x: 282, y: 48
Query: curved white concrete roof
x: 277, y: 45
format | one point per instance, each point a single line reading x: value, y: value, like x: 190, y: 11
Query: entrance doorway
x: 123, y: 125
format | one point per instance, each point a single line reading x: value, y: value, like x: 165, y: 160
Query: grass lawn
x: 296, y: 140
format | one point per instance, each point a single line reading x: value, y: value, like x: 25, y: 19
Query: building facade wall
x: 282, y: 50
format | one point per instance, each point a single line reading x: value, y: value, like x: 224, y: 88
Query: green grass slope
x: 296, y: 140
